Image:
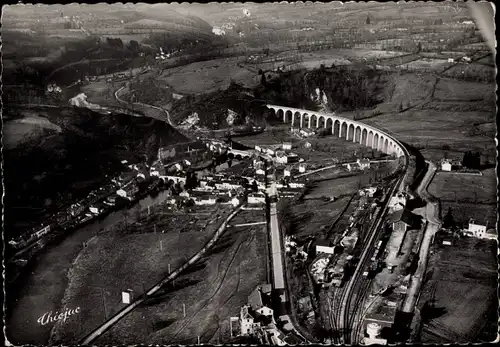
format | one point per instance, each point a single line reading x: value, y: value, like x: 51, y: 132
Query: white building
x: 324, y: 249
x: 260, y: 171
x: 286, y: 146
x: 363, y: 163
x: 451, y: 60
x: 307, y: 132
x: 296, y: 184
x: 256, y: 198
x: 397, y: 202
x: 95, y: 209
x: 281, y: 158
x: 205, y: 200
x: 235, y: 201
x: 302, y: 168
x: 287, y: 172
x: 446, y: 165
x: 478, y: 230
x: 247, y: 324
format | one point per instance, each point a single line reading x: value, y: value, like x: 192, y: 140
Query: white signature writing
x: 49, y: 318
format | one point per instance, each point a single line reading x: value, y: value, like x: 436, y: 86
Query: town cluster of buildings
x: 257, y: 319
x: 97, y: 202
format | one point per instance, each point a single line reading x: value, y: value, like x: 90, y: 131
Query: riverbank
x: 134, y: 256
x: 42, y: 290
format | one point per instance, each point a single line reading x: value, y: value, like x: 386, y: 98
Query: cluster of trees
x: 114, y: 42
x: 449, y: 220
x: 472, y: 160
x: 148, y: 91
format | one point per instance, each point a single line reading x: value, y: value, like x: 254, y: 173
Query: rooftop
x: 406, y: 217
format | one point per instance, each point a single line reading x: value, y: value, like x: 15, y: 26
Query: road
x: 340, y: 164
x: 122, y: 313
x: 432, y: 226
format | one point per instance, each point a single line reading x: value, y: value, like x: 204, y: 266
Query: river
x: 43, y: 290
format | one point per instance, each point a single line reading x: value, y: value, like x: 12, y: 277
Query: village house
x: 397, y: 202
x: 307, y: 144
x: 363, y: 163
x: 246, y: 321
x: 111, y: 200
x: 287, y: 172
x: 276, y: 336
x: 286, y: 146
x: 289, y: 192
x: 96, y: 208
x: 281, y: 157
x: 296, y: 185
x: 184, y: 194
x: 76, y: 209
x: 235, y: 201
x: 403, y: 220
x: 302, y: 167
x: 445, y: 165
x: 351, y: 166
x: 128, y: 192
x: 480, y: 231
x: 370, y: 191
x: 324, y: 247
x: 293, y: 158
x: 205, y: 200
x: 42, y: 231
x: 256, y: 198
x: 260, y: 302
x: 307, y: 132
x: 228, y: 184
x: 175, y: 179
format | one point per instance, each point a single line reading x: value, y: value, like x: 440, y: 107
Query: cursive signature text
x: 48, y: 317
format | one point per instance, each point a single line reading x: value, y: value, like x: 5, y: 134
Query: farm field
x: 315, y: 217
x: 469, y: 196
x: 341, y: 186
x: 223, y: 279
x: 437, y: 65
x: 21, y: 130
x: 340, y: 148
x: 463, y: 280
x: 272, y: 136
x: 131, y: 257
x: 424, y: 128
x: 208, y: 76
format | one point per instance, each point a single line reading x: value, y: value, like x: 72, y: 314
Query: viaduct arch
x: 349, y: 129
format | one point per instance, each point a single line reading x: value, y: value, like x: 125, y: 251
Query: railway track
x: 359, y: 284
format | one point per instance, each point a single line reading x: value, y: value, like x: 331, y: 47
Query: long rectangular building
x: 276, y: 251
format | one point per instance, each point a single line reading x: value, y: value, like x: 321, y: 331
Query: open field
x: 424, y: 128
x: 468, y: 196
x: 131, y: 258
x: 208, y: 76
x: 314, y: 217
x: 463, y: 279
x: 223, y: 280
x: 437, y: 65
x: 25, y: 129
x: 341, y: 186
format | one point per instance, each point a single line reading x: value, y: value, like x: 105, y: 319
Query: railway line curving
x: 347, y: 307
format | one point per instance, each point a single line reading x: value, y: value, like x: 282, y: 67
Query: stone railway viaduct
x: 346, y: 128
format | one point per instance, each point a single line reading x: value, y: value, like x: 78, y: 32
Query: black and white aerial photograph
x: 272, y: 173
